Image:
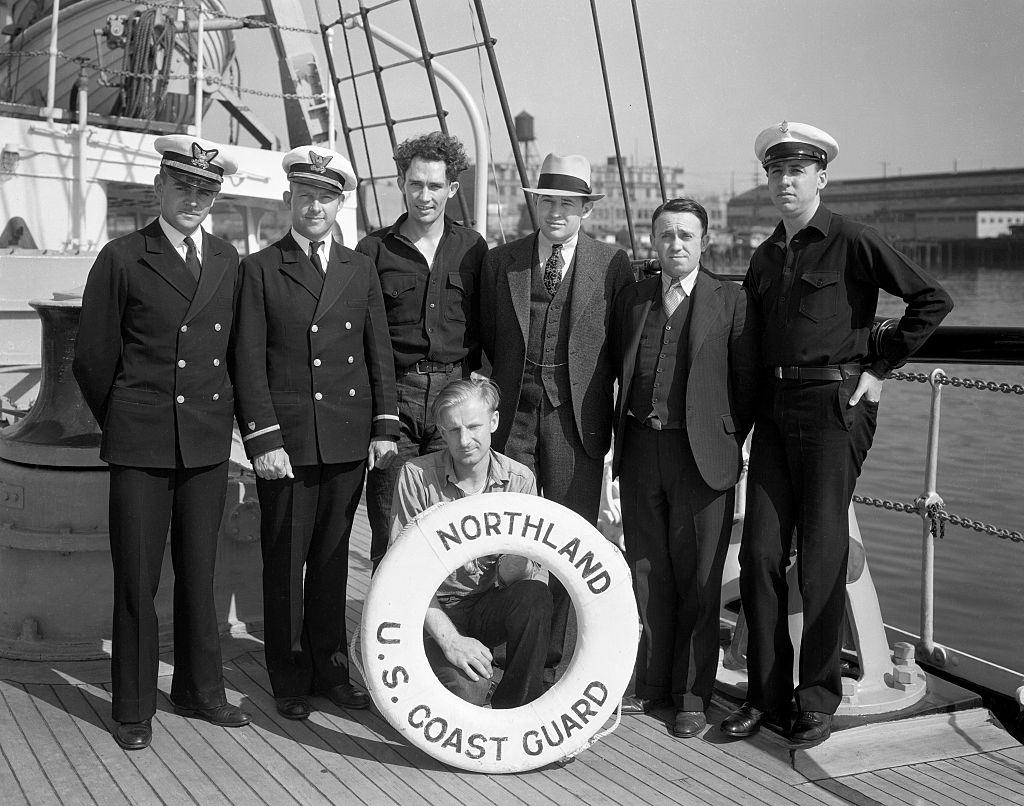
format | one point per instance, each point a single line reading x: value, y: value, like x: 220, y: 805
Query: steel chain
x: 85, y: 62
x: 965, y: 383
x: 209, y: 12
x: 940, y: 517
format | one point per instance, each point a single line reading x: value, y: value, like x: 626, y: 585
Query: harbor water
x: 979, y: 596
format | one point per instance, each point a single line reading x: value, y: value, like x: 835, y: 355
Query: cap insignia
x: 318, y: 163
x: 252, y: 425
x: 784, y: 126
x: 202, y: 158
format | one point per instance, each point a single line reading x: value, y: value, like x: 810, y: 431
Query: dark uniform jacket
x: 599, y: 272
x: 313, y: 364
x: 151, y: 355
x: 722, y: 365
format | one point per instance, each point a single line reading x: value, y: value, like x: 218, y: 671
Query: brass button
x: 316, y: 362
x: 351, y: 392
x: 315, y: 328
x: 180, y: 398
x: 318, y: 396
x: 216, y: 362
x: 181, y: 362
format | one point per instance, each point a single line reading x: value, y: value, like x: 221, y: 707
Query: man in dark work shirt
x: 429, y: 269
x: 815, y: 283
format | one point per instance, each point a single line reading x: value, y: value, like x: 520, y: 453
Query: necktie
x: 673, y: 297
x: 192, y: 257
x: 553, y: 269
x: 314, y: 255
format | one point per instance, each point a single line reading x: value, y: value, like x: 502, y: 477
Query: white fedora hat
x: 565, y: 176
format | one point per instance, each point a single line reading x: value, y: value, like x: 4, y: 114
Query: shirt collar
x: 544, y: 245
x: 820, y: 221
x: 497, y: 473
x: 687, y: 282
x: 395, y: 230
x: 304, y: 242
x: 177, y: 238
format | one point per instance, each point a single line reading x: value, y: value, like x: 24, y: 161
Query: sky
x: 905, y: 86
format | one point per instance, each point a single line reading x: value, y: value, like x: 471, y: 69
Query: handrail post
x: 51, y: 76
x: 926, y: 503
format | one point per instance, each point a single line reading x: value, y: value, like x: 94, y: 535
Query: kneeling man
x: 473, y: 611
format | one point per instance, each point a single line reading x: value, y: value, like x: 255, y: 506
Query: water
x: 979, y: 597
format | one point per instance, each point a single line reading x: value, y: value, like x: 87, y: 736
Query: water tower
x: 524, y: 134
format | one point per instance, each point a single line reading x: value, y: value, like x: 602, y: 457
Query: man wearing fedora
x: 545, y: 304
x: 151, y: 360
x: 815, y: 284
x: 316, y: 407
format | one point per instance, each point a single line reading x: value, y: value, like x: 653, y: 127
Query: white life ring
x: 564, y: 719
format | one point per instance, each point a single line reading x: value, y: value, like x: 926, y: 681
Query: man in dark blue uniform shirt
x: 429, y: 269
x: 316, y: 405
x: 815, y: 282
x: 151, y: 359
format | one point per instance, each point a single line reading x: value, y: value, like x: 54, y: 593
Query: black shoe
x: 293, y: 707
x: 743, y: 722
x: 811, y: 727
x: 133, y: 735
x: 345, y: 695
x: 224, y: 716
x: 689, y: 724
x: 632, y: 704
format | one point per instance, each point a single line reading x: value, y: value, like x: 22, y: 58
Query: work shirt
x: 428, y: 480
x: 432, y: 310
x: 818, y: 296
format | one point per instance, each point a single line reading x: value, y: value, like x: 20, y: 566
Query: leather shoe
x: 293, y: 707
x: 743, y: 722
x: 632, y: 704
x: 811, y: 727
x: 225, y: 716
x: 345, y: 695
x: 689, y: 723
x: 133, y: 735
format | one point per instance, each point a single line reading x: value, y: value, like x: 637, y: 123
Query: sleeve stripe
x: 385, y: 417
x: 261, y: 432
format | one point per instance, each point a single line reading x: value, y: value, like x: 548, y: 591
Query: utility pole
x: 885, y: 167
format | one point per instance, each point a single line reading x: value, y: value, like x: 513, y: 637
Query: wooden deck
x: 55, y: 748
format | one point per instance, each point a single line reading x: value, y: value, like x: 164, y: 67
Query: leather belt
x: 425, y: 367
x: 832, y: 372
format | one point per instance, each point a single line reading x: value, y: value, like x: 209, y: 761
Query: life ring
x: 561, y: 722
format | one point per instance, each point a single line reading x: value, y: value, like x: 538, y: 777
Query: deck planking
x: 55, y: 748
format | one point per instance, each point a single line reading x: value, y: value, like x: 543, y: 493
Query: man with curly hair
x: 429, y: 269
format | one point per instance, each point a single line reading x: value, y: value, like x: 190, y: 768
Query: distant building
x: 922, y: 207
x: 507, y: 211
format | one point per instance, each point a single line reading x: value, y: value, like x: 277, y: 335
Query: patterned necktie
x: 314, y: 255
x: 553, y: 269
x: 192, y: 258
x: 673, y: 297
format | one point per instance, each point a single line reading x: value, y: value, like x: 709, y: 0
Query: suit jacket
x: 151, y: 353
x: 722, y: 381
x: 599, y: 272
x: 313, y: 367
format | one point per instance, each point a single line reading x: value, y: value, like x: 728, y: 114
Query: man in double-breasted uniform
x: 685, y: 345
x: 151, y: 359
x: 316, y: 403
x: 545, y: 302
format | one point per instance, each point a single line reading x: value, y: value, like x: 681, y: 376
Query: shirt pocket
x: 458, y: 296
x: 400, y: 298
x: 819, y: 295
